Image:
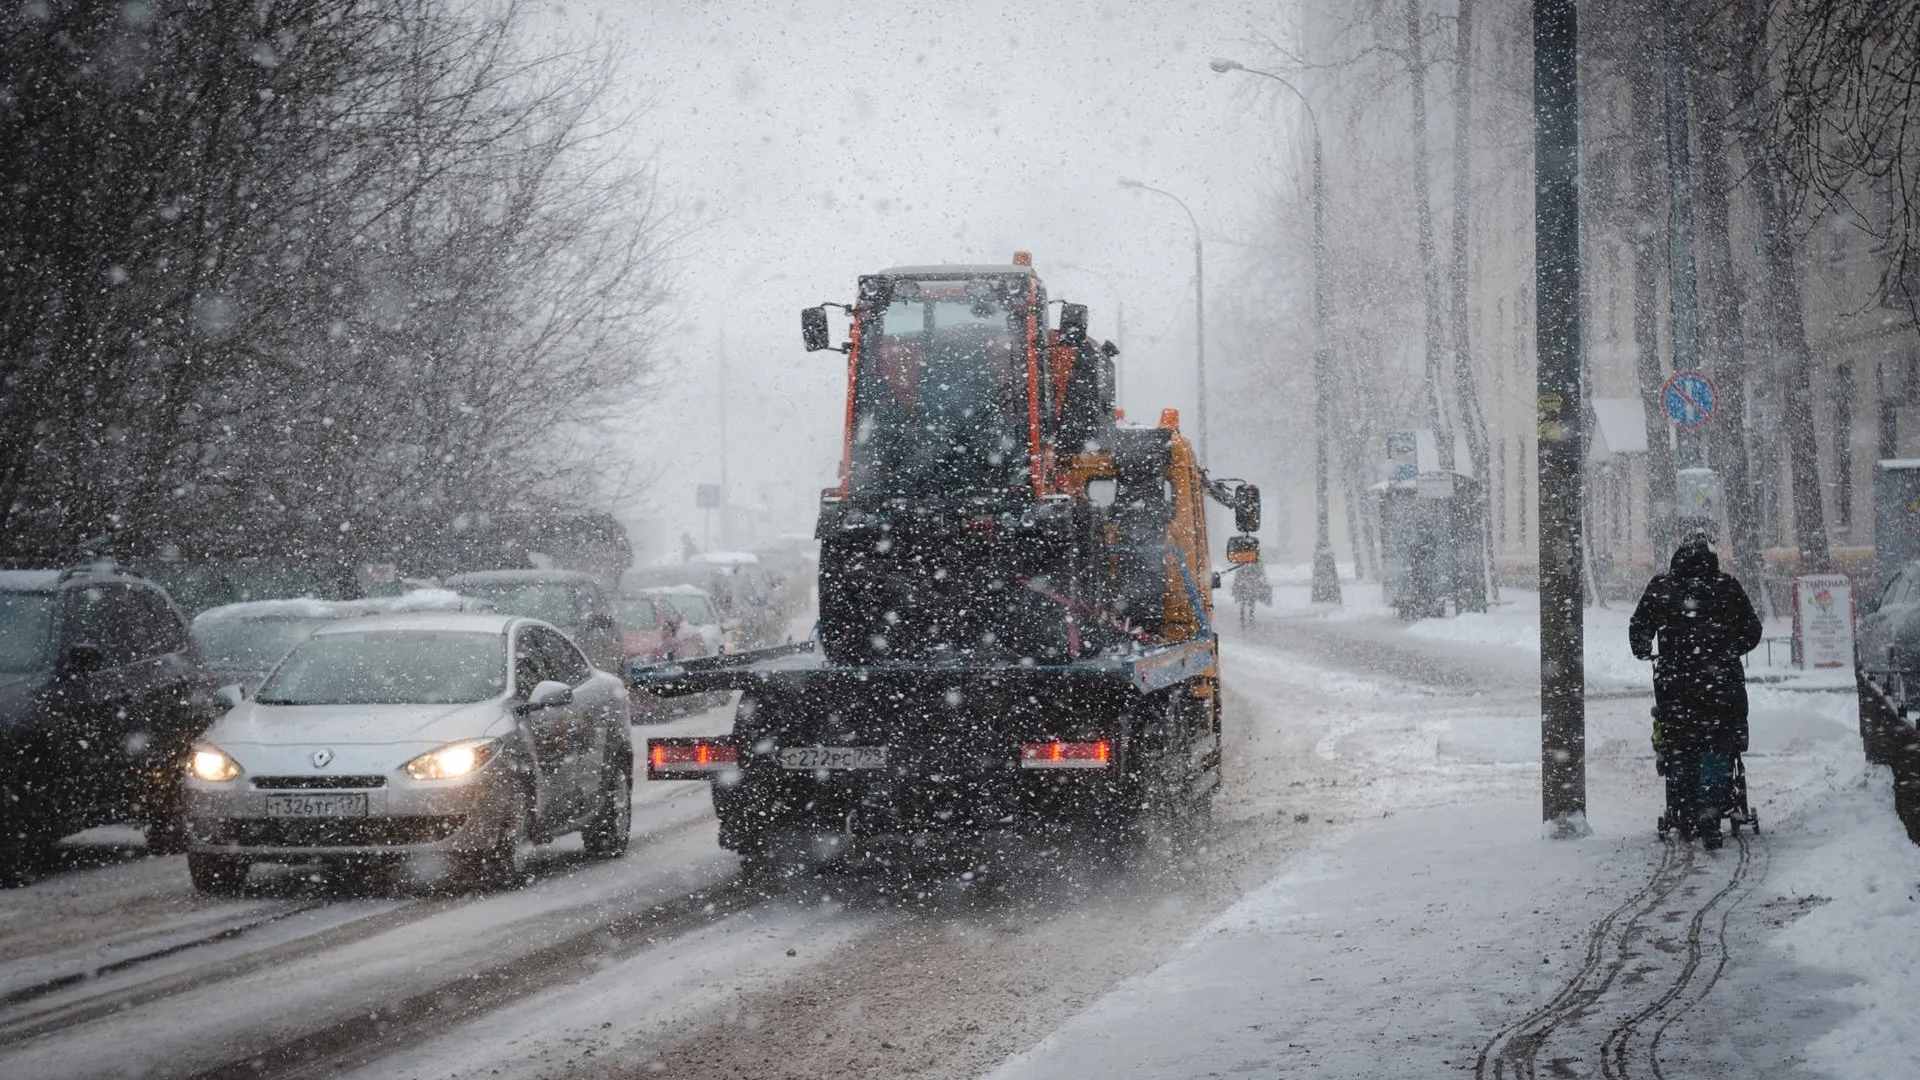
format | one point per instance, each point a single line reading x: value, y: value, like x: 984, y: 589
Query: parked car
x: 101, y: 696
x: 737, y: 585
x: 573, y: 601
x: 1887, y: 637
x: 652, y: 629
x: 697, y: 614
x: 240, y: 643
x: 673, y: 622
x: 469, y: 735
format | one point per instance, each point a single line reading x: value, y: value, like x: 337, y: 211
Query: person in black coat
x: 1702, y: 623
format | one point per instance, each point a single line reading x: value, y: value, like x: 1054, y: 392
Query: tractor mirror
x: 1243, y: 549
x: 1246, y: 509
x: 1073, y: 324
x: 813, y: 329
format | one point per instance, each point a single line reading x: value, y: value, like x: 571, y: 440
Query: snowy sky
x: 816, y: 141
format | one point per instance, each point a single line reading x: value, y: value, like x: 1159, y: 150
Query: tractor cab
x: 958, y: 389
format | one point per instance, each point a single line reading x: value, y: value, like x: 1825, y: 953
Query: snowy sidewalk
x: 1451, y: 940
x: 1411, y: 947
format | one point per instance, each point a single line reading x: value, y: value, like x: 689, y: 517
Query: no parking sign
x: 1689, y: 399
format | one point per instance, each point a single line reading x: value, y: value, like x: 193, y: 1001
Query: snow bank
x: 1861, y: 879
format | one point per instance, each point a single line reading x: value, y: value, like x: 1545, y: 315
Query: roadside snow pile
x: 1862, y: 881
x: 1515, y: 624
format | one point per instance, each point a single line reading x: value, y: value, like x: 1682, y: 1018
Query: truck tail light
x: 1066, y: 755
x: 692, y: 758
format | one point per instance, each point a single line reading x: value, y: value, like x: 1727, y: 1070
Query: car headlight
x: 210, y: 763
x: 452, y: 760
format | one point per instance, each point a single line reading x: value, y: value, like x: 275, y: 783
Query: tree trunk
x: 1725, y: 339
x: 1780, y: 283
x: 1429, y: 259
x: 1464, y: 389
x: 1643, y: 165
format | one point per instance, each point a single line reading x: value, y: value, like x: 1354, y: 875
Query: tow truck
x: 1016, y: 621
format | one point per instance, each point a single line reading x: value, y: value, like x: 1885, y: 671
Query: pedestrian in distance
x: 1250, y: 587
x: 1695, y: 623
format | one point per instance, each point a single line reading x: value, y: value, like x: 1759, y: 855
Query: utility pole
x: 1562, y: 441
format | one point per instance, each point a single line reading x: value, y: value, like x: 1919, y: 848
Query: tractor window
x: 940, y: 404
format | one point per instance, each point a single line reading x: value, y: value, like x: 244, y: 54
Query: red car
x: 652, y: 629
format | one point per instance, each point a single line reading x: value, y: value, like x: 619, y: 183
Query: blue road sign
x: 1689, y: 398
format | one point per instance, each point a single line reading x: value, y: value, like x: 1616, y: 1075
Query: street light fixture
x: 1326, y: 576
x: 1199, y: 315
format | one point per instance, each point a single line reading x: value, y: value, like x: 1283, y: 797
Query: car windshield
x: 26, y: 629
x: 544, y: 600
x: 250, y: 644
x: 694, y: 609
x: 636, y: 614
x: 940, y: 396
x: 391, y: 667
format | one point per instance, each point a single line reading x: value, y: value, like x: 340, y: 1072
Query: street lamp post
x: 1119, y: 317
x: 1326, y: 576
x: 1199, y: 316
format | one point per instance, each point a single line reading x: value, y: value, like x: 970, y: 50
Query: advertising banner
x: 1823, y: 620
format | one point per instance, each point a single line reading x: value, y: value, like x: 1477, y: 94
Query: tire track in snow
x: 1510, y: 1054
x: 376, y: 1031
x: 18, y: 1026
x: 1623, y: 938
x: 1617, y: 1055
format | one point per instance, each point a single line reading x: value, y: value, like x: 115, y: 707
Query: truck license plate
x: 341, y: 805
x: 833, y: 757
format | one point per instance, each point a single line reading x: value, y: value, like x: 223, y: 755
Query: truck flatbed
x: 1146, y: 668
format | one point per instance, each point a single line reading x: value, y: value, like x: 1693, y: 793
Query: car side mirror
x: 1243, y: 549
x: 82, y: 659
x: 230, y: 696
x: 1073, y: 324
x: 813, y: 329
x: 547, y: 694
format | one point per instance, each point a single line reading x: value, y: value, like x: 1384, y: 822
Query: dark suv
x: 101, y: 698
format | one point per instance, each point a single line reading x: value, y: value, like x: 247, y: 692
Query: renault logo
x: 321, y: 757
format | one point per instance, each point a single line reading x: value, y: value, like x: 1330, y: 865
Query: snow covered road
x: 1373, y: 902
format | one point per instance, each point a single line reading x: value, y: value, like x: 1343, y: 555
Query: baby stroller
x: 1735, y: 809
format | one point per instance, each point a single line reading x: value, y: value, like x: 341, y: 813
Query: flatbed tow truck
x: 1015, y: 635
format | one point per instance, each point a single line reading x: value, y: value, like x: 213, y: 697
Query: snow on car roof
x: 956, y: 270
x: 484, y: 622
x: 495, y: 577
x: 28, y: 580
x: 308, y: 607
x: 675, y: 590
x: 726, y: 558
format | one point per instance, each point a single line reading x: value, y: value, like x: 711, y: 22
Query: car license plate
x: 834, y: 757
x: 339, y: 805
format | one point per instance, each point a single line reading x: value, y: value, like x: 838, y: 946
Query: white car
x: 472, y: 736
